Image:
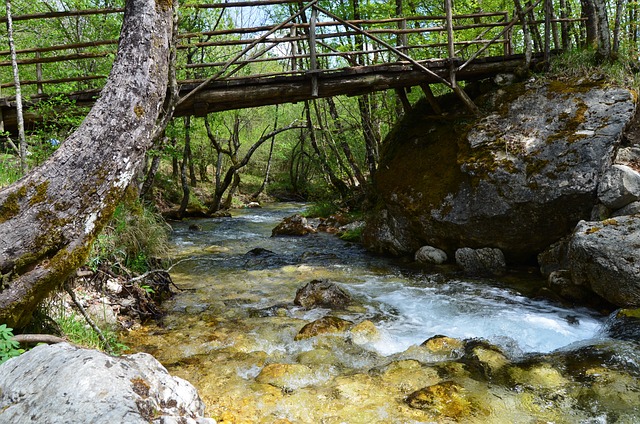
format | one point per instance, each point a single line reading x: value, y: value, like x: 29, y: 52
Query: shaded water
x: 231, y: 333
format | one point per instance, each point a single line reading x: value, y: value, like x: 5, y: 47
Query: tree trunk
x: 346, y: 149
x: 617, y: 24
x: 188, y: 157
x: 185, y: 187
x: 49, y: 218
x: 336, y: 182
x: 591, y: 24
x: 604, y: 36
x: 175, y: 166
x: 16, y: 81
x: 150, y: 177
x: 370, y: 142
x: 267, y: 171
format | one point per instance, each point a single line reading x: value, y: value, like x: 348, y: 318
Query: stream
x: 231, y: 332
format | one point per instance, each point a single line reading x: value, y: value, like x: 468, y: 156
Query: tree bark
x: 591, y: 24
x: 188, y: 157
x: 604, y: 36
x: 16, y: 81
x: 620, y: 4
x: 49, y: 218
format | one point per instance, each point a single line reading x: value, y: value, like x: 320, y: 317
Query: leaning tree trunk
x: 49, y: 219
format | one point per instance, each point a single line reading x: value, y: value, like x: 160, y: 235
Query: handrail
x: 316, y: 45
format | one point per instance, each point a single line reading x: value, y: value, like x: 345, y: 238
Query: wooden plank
x: 63, y: 47
x: 62, y: 14
x: 56, y: 81
x: 77, y: 56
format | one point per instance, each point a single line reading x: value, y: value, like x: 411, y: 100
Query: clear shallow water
x: 407, y: 307
x: 231, y: 333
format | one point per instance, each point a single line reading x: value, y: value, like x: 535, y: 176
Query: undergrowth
x: 584, y: 63
x: 133, y: 240
x: 77, y: 331
x: 9, y: 348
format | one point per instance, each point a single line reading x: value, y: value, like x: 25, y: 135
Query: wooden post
x: 312, y: 52
x: 452, y: 66
x: 39, y: 74
x: 293, y: 32
x: 508, y: 49
x: 426, y: 88
x: 402, y: 95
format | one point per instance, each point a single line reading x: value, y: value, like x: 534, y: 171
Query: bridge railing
x: 312, y: 41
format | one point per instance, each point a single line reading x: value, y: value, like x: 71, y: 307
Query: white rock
x: 619, y: 186
x: 66, y: 384
x: 430, y: 255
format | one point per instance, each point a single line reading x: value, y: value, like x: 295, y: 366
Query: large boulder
x: 605, y: 257
x: 599, y: 261
x: 619, y: 187
x: 478, y: 262
x: 518, y: 179
x: 66, y: 384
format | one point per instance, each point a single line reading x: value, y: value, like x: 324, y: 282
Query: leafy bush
x: 9, y: 348
x: 134, y: 236
x: 354, y: 235
x: 321, y: 209
x: 76, y: 329
x: 9, y: 169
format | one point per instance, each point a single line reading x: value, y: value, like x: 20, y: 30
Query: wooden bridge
x: 311, y: 53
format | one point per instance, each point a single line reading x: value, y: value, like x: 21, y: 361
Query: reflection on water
x: 232, y: 332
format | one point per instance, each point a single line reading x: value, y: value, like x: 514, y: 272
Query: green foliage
x: 134, y: 236
x: 9, y: 348
x: 583, y: 63
x: 321, y: 209
x: 76, y: 329
x: 9, y: 169
x: 354, y: 235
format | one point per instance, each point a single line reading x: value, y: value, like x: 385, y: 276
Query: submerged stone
x: 537, y: 376
x: 443, y: 345
x: 323, y: 325
x: 364, y: 332
x: 446, y: 399
x: 321, y: 293
x: 295, y: 225
x: 287, y: 376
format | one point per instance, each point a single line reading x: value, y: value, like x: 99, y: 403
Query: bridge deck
x: 300, y: 58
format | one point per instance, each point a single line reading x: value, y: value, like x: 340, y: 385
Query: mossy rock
x: 325, y: 325
x: 517, y: 179
x: 538, y: 377
x: 445, y: 399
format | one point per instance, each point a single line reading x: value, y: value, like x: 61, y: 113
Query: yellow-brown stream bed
x: 507, y: 358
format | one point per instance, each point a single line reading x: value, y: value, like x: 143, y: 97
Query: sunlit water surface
x: 237, y: 315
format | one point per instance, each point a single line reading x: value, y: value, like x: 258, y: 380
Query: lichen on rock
x: 518, y: 179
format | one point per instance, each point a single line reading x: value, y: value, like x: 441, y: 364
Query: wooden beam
x: 402, y: 95
x: 433, y: 102
x: 77, y: 56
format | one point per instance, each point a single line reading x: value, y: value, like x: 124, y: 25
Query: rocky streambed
x: 406, y: 346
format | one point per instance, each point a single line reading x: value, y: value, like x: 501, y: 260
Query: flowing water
x: 231, y: 333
